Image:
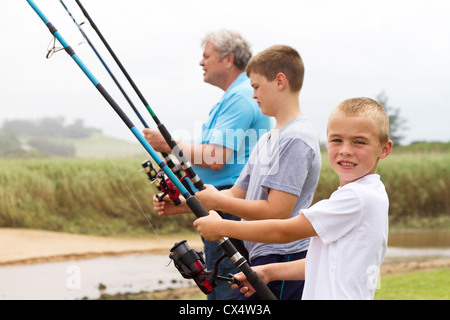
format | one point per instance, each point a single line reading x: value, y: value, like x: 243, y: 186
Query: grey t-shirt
x: 287, y: 160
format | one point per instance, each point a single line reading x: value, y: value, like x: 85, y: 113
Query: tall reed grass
x: 418, y: 186
x: 89, y: 196
x: 80, y: 196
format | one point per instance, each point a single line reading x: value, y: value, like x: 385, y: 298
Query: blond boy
x: 349, y: 230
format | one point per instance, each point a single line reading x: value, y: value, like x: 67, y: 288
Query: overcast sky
x: 350, y: 48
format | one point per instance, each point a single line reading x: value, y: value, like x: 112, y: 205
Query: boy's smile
x: 354, y: 147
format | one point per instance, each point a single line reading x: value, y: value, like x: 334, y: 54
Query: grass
x: 88, y: 196
x: 425, y: 285
x: 418, y: 185
x: 422, y: 285
x: 99, y: 145
x: 84, y: 196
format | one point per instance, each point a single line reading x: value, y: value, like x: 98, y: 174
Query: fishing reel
x: 191, y: 265
x: 162, y: 182
x: 149, y: 169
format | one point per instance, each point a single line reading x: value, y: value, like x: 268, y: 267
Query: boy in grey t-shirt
x: 287, y: 160
x: 283, y: 170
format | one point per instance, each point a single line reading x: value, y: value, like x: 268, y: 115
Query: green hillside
x: 52, y: 137
x: 99, y: 146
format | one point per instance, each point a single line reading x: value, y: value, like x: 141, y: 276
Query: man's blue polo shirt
x: 235, y: 122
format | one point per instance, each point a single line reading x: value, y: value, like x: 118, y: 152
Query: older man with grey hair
x: 233, y: 127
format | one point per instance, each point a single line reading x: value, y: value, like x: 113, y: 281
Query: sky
x: 350, y: 48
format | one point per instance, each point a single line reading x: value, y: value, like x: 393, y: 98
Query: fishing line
x: 197, y: 208
x: 166, y: 156
x: 176, y: 150
x: 113, y: 77
x: 135, y: 200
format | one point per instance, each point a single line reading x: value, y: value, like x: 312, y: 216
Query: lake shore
x: 25, y: 246
x: 28, y: 246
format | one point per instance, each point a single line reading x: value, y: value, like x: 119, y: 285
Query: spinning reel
x: 162, y: 182
x: 191, y: 265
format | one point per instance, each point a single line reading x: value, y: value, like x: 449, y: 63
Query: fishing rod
x: 176, y: 150
x: 172, y: 166
x: 177, y: 251
x: 105, y: 65
x: 164, y: 185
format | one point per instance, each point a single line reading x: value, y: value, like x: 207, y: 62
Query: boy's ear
x: 281, y: 81
x: 386, y: 149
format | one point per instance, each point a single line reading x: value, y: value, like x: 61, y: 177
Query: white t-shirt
x: 343, y: 261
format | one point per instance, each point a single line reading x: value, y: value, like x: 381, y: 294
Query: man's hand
x: 166, y: 207
x: 156, y: 140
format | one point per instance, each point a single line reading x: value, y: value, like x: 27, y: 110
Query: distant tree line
x: 397, y: 123
x: 43, y: 137
x: 48, y: 128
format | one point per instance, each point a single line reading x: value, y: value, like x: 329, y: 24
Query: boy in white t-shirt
x: 349, y: 230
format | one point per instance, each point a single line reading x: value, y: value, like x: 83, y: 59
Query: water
x: 420, y: 239
x: 150, y: 272
x: 78, y: 279
x: 418, y: 246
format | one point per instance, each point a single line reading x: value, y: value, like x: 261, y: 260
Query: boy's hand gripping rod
x: 191, y: 200
x: 176, y: 150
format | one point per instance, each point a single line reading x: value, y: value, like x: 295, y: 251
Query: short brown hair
x: 276, y: 59
x: 369, y: 109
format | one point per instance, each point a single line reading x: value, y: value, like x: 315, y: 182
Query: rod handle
x: 240, y: 262
x: 196, y: 207
x: 176, y: 150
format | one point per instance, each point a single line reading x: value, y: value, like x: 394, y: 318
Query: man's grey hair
x: 226, y: 42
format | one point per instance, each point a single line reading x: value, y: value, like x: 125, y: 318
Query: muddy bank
x: 33, y: 259
x: 27, y: 246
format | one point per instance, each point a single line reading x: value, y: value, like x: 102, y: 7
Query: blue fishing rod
x: 162, y: 183
x: 176, y: 150
x: 189, y: 262
x: 105, y: 65
x: 148, y: 167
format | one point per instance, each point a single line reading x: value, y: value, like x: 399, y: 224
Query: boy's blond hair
x: 369, y: 109
x: 279, y: 59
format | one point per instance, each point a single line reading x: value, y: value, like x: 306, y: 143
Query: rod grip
x: 260, y: 287
x: 165, y: 133
x: 176, y: 150
x: 196, y: 207
x: 253, y: 278
x: 230, y: 250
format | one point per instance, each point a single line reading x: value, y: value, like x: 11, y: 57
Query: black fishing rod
x: 176, y: 150
x: 105, y: 65
x: 178, y: 250
x: 166, y: 156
